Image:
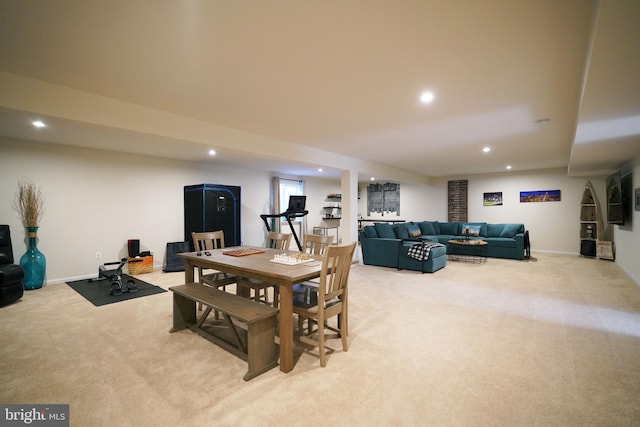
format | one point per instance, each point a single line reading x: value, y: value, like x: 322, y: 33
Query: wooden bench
x: 258, y: 345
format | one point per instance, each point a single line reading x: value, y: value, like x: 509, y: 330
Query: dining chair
x: 329, y: 299
x: 316, y: 244
x: 260, y: 289
x: 277, y: 240
x: 210, y: 240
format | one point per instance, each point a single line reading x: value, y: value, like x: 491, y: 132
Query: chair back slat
x: 316, y: 244
x: 208, y: 240
x: 334, y: 276
x: 278, y: 240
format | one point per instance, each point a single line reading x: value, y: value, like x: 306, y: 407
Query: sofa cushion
x: 501, y: 242
x: 370, y: 231
x: 448, y: 228
x: 510, y: 230
x: 401, y: 230
x: 384, y: 230
x: 494, y: 230
x: 414, y: 230
x: 428, y: 228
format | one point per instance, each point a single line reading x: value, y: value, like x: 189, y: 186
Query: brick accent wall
x: 457, y: 201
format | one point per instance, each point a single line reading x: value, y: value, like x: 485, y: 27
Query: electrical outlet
x: 98, y: 255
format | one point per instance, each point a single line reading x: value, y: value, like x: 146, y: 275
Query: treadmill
x: 296, y: 209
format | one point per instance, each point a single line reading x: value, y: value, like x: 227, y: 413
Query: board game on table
x: 243, y: 252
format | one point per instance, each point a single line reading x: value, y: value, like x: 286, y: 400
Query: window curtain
x: 275, y: 203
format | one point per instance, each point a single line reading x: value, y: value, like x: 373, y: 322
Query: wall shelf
x: 333, y: 208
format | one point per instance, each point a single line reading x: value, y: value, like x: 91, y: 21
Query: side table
x: 324, y: 230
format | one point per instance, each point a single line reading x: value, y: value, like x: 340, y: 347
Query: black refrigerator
x: 211, y: 207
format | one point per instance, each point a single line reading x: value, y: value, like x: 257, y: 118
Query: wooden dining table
x: 260, y: 266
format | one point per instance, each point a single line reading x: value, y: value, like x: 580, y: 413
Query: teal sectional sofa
x: 386, y: 245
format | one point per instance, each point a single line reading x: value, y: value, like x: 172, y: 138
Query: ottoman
x: 437, y: 257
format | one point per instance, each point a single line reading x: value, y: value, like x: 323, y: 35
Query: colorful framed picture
x: 540, y: 196
x: 492, y: 199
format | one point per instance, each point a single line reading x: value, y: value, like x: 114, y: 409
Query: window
x: 289, y: 187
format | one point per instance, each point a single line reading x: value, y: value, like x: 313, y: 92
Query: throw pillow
x: 510, y: 230
x: 470, y: 230
x: 427, y: 228
x: 414, y: 230
x: 370, y: 231
x: 384, y: 230
x: 482, y: 225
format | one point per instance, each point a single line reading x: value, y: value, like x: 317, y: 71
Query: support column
x: 349, y: 222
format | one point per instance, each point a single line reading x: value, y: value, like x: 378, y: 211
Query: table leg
x: 188, y: 271
x: 286, y: 328
x: 242, y: 290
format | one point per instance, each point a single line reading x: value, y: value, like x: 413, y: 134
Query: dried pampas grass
x: 29, y: 203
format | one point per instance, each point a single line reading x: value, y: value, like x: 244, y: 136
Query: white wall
x: 417, y: 202
x: 317, y: 191
x: 96, y: 200
x: 554, y: 226
x: 627, y: 237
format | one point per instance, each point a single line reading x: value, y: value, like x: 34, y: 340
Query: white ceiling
x: 544, y: 83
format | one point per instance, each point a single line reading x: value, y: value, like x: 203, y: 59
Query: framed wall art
x: 383, y: 199
x: 540, y: 196
x: 492, y: 199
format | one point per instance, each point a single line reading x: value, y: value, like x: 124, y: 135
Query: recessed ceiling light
x: 373, y: 178
x: 38, y: 124
x: 427, y: 97
x: 319, y: 169
x: 212, y: 152
x: 508, y: 167
x: 486, y: 149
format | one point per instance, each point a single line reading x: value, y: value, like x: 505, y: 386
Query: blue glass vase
x: 33, y: 262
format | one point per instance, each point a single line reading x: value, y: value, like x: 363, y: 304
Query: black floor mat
x: 98, y: 292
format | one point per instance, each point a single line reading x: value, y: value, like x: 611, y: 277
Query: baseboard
x: 576, y: 253
x: 629, y: 275
x: 84, y: 276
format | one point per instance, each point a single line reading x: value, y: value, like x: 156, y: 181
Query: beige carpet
x: 554, y: 341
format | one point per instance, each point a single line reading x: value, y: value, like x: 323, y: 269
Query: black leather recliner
x: 11, y: 275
